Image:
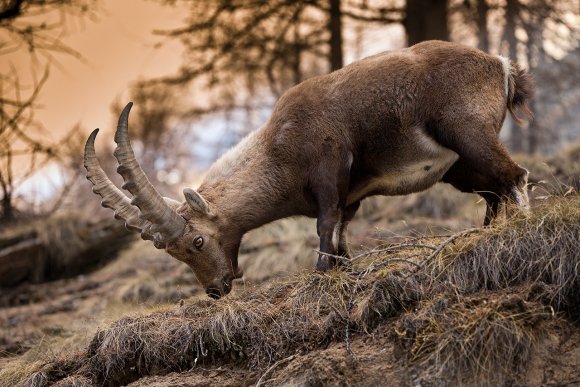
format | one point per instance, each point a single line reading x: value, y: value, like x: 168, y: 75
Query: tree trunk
x: 425, y: 20
x: 536, y: 58
x: 335, y: 27
x: 517, y: 136
x: 482, y: 32
x: 7, y: 209
x: 297, y: 52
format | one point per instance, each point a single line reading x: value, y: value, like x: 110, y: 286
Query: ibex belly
x: 423, y: 169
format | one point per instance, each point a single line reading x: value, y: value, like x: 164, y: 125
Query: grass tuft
x: 539, y: 248
x: 470, y: 339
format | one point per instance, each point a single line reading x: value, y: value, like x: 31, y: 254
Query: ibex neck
x: 241, y: 208
x: 243, y: 187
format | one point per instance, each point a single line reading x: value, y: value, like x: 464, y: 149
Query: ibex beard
x: 390, y: 124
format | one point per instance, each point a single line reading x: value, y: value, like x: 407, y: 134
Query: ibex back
x: 390, y: 124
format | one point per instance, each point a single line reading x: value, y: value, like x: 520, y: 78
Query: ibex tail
x: 520, y: 89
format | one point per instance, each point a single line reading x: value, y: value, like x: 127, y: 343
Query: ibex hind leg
x: 464, y: 178
x: 485, y: 167
x: 519, y: 195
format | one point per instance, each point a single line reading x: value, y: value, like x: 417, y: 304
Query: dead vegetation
x: 57, y: 247
x: 557, y: 174
x: 469, y: 308
x: 469, y: 339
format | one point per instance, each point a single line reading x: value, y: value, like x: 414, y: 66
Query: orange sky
x: 117, y: 49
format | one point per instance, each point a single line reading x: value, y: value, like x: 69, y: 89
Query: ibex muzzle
x: 390, y: 124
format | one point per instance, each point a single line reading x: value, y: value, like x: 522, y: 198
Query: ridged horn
x: 151, y: 204
x: 113, y: 198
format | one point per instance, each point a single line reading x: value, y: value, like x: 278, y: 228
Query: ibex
x: 390, y: 124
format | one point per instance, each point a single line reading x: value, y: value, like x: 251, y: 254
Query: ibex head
x: 188, y: 231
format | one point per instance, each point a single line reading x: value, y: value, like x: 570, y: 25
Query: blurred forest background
x: 238, y: 57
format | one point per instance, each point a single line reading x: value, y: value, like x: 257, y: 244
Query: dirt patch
x: 556, y: 361
x: 201, y: 377
x: 369, y: 361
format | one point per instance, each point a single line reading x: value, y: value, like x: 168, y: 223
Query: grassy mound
x: 467, y: 339
x: 458, y: 308
x: 541, y: 249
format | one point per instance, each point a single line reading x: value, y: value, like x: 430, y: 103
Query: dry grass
x: 291, y: 238
x: 540, y: 248
x: 59, y: 246
x: 471, y: 307
x: 556, y: 174
x: 482, y: 339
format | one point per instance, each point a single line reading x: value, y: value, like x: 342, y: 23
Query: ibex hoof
x: 325, y: 263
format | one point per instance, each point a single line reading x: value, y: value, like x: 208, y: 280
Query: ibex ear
x: 196, y: 201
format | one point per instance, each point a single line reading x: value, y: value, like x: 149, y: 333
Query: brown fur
x: 521, y: 90
x: 390, y: 124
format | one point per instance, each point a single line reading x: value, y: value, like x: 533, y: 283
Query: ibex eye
x: 198, y: 242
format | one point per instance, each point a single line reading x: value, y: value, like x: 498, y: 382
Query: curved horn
x: 152, y: 205
x: 113, y: 198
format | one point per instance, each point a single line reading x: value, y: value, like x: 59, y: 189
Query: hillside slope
x: 482, y: 306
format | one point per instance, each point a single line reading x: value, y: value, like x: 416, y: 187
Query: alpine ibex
x: 390, y: 124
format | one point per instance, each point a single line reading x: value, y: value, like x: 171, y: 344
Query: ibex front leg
x: 328, y: 227
x: 347, y: 216
x: 330, y: 187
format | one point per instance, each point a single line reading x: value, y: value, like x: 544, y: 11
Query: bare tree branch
x: 37, y: 28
